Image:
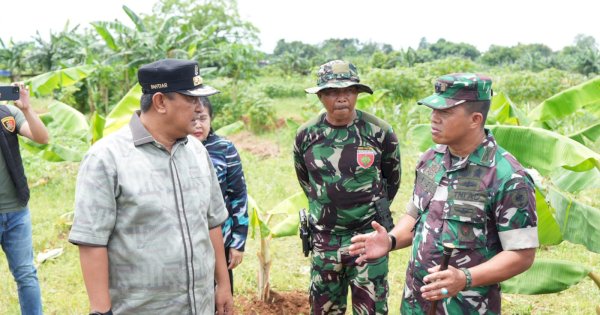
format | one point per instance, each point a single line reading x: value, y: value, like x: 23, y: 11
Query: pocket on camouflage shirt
x: 464, y: 226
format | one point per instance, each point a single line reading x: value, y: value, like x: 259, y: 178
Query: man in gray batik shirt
x: 148, y: 207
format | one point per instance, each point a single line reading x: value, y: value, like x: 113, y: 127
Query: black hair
x: 482, y: 107
x: 206, y: 103
x: 146, y: 100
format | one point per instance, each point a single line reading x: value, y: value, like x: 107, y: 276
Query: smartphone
x: 9, y: 93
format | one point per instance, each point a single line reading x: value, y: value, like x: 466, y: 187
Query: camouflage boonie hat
x: 338, y: 74
x: 457, y: 88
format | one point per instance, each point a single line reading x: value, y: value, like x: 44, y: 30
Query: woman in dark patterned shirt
x: 228, y: 166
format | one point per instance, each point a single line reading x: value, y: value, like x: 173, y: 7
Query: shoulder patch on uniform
x: 9, y: 123
x: 518, y: 197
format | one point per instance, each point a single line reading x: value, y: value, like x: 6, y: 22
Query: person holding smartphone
x: 15, y: 219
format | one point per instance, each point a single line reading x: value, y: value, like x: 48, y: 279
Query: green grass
x: 60, y: 279
x: 270, y: 180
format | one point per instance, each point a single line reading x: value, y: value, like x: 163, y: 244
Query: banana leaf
x: 545, y: 150
x: 503, y: 111
x: 290, y: 208
x: 548, y: 229
x: 30, y: 146
x: 287, y: 227
x: 255, y: 220
x: 120, y: 115
x: 579, y: 223
x: 546, y: 276
x: 420, y: 136
x: 102, y: 29
x: 366, y: 101
x: 60, y: 153
x: 69, y: 129
x: 292, y: 124
x: 592, y: 133
x: 291, y: 205
x: 230, y: 129
x: 54, y: 152
x: 68, y: 119
x: 139, y: 23
x: 573, y: 182
x: 46, y: 118
x: 97, y: 122
x: 568, y: 101
x: 46, y: 83
x: 51, y: 156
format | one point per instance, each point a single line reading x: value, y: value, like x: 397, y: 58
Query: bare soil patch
x: 281, y: 303
x: 246, y: 141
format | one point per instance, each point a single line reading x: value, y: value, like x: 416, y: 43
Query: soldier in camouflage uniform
x: 345, y: 160
x: 471, y: 195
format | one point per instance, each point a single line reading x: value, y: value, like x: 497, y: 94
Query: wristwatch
x: 392, y: 241
x: 109, y: 312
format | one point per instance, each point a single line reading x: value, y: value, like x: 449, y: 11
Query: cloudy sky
x: 399, y: 23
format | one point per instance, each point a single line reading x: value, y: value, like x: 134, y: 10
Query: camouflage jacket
x: 482, y: 204
x: 344, y: 170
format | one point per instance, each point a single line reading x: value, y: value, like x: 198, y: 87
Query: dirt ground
x: 282, y: 303
x: 246, y: 141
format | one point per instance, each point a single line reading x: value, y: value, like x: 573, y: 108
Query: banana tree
x: 68, y: 127
x: 565, y: 166
x: 583, y: 96
x: 45, y: 84
x: 154, y: 38
x: 259, y: 225
x: 13, y: 56
x: 72, y: 132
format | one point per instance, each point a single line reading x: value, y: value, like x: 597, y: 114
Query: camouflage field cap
x: 338, y: 74
x: 457, y: 88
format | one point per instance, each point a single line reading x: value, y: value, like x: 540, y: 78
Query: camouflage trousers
x: 465, y: 302
x: 334, y: 270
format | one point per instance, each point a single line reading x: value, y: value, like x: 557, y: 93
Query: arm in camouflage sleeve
x: 390, y: 163
x: 238, y: 198
x: 514, y: 209
x: 516, y: 221
x: 299, y: 165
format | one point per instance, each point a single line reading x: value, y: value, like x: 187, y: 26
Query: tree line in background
x: 213, y: 33
x: 583, y: 57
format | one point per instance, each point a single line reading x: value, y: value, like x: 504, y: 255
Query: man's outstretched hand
x: 372, y: 245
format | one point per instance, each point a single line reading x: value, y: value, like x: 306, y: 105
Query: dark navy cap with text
x: 173, y: 75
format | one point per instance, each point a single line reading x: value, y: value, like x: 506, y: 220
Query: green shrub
x: 440, y: 67
x: 261, y: 116
x: 283, y: 89
x: 401, y: 83
x: 527, y: 86
x: 415, y: 82
x: 243, y: 102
